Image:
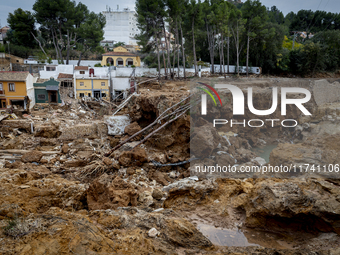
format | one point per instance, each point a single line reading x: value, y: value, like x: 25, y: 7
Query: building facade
x: 47, y: 92
x: 16, y: 88
x: 120, y: 56
x: 121, y: 26
x: 89, y: 83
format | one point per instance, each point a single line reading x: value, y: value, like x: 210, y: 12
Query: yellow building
x: 120, y: 57
x: 97, y: 87
x: 16, y: 88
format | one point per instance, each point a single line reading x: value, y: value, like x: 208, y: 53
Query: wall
x: 136, y: 60
x: 30, y: 89
x: 120, y: 26
x: 90, y: 85
x: 120, y: 83
x: 68, y: 69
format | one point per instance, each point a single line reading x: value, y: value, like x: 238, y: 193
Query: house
x: 91, y: 82
x: 16, y: 88
x: 120, y: 57
x: 47, y: 92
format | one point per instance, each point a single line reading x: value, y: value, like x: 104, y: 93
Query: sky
x: 286, y: 6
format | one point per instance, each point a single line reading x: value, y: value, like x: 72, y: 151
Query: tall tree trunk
x: 68, y: 48
x: 167, y: 49
x: 193, y: 45
x: 183, y: 53
x: 228, y: 52
x: 55, y: 45
x: 177, y: 46
x: 78, y: 64
x: 174, y: 58
x: 223, y: 57
x: 211, y: 42
x: 220, y: 53
x: 158, y: 57
x: 247, y: 60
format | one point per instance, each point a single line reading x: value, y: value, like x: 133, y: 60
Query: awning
x: 54, y: 88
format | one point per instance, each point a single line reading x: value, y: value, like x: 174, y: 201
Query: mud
x: 60, y: 193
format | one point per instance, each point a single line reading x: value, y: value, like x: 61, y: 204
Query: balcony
x: 2, y: 93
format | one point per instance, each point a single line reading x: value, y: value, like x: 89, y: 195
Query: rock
x: 153, y: 232
x: 294, y: 205
x: 32, y: 156
x: 114, y: 142
x: 181, y: 232
x: 260, y: 161
x: 172, y: 174
x: 76, y: 163
x: 157, y: 194
x: 130, y: 171
x: 135, y: 157
x: 107, y: 161
x: 160, y: 178
x: 145, y: 198
x: 64, y: 148
x: 205, y: 140
x: 132, y: 128
x: 109, y: 192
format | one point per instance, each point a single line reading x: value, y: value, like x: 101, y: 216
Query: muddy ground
x: 64, y: 190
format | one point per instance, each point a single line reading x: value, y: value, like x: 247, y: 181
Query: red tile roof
x: 65, y: 76
x: 83, y: 68
x: 13, y: 76
x: 119, y: 54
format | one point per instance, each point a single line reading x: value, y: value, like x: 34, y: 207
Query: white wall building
x: 121, y: 26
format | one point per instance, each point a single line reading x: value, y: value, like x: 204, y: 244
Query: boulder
x: 132, y: 128
x: 32, y: 156
x: 109, y: 192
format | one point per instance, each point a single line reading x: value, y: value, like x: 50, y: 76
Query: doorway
x: 53, y: 97
x: 96, y: 94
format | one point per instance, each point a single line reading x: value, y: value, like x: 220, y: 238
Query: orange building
x: 16, y: 88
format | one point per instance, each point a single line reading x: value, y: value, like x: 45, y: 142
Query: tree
x: 62, y: 18
x: 23, y: 29
x: 91, y: 33
x: 119, y: 44
x: 194, y: 20
x: 256, y: 16
x: 237, y: 28
x: 150, y: 17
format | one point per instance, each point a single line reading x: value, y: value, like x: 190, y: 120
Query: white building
x: 121, y: 26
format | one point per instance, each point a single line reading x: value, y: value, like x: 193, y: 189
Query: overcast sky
x: 7, y: 6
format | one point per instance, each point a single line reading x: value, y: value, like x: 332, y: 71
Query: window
x: 82, y: 72
x: 103, y: 83
x: 120, y: 62
x: 81, y: 83
x: 50, y: 68
x: 81, y: 94
x: 11, y: 87
x: 89, y: 94
x: 41, y: 97
x: 103, y: 94
x: 1, y: 87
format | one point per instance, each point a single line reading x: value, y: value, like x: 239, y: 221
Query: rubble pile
x: 80, y: 179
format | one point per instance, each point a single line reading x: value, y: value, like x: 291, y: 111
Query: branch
x: 39, y: 44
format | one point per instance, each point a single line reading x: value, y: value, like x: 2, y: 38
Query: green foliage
x: 119, y: 44
x: 98, y: 65
x: 22, y: 25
